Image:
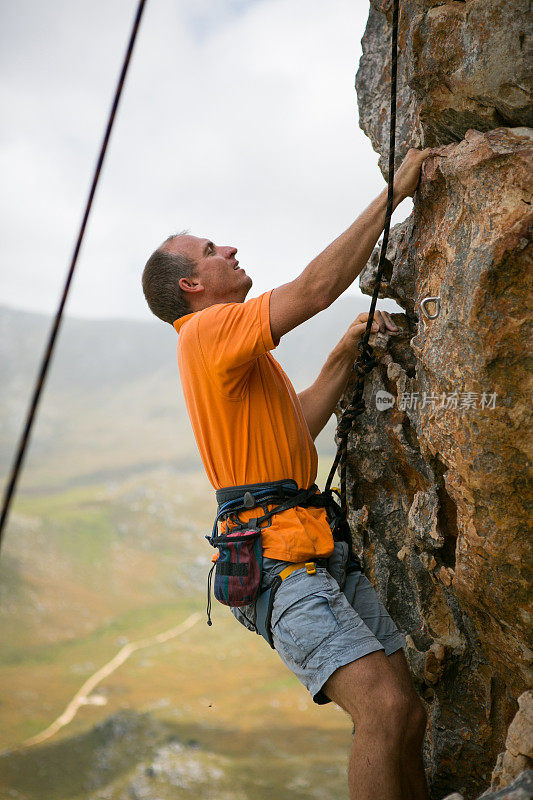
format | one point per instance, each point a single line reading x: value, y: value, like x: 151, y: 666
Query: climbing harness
x: 238, y: 568
x: 25, y: 437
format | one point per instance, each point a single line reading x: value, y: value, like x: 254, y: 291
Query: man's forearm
x: 336, y: 268
x: 319, y: 400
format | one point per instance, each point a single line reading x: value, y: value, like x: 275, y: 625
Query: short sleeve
x: 233, y: 335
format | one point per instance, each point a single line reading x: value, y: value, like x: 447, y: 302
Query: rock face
x: 439, y: 481
x: 518, y: 755
x: 463, y: 64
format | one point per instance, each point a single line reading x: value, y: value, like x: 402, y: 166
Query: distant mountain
x: 113, y: 402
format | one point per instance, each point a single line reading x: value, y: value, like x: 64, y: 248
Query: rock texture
x: 520, y: 789
x: 440, y: 482
x: 518, y: 753
x: 462, y: 65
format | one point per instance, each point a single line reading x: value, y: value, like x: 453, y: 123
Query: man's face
x: 218, y: 277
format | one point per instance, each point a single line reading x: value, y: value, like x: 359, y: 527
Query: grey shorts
x: 318, y: 628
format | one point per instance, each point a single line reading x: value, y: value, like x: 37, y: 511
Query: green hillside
x: 210, y: 714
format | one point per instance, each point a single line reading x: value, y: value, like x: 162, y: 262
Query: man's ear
x: 190, y: 285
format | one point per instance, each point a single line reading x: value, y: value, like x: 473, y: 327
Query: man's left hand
x: 382, y: 322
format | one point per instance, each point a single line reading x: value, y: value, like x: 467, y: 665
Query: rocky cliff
x: 439, y: 481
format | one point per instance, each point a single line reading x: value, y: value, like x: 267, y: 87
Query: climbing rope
x: 366, y: 361
x: 25, y: 437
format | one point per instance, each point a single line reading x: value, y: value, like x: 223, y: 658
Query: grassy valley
x: 212, y: 713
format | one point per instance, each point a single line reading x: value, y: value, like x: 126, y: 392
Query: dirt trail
x: 81, y: 697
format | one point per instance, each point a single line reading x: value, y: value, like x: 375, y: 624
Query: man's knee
x: 417, y: 714
x: 416, y: 725
x: 371, y: 693
x: 390, y: 709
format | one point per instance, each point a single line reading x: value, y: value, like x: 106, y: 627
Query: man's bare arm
x: 319, y: 400
x: 335, y: 269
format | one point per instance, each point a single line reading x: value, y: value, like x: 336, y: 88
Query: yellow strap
x: 309, y: 565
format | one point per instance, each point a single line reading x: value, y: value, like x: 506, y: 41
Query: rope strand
x: 367, y: 361
x: 25, y: 437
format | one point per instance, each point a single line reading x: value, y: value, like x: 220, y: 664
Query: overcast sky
x: 238, y: 121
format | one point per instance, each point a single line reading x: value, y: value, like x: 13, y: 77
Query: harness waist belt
x: 282, y: 494
x: 259, y: 492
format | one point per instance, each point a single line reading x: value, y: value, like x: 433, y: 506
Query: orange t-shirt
x: 247, y: 420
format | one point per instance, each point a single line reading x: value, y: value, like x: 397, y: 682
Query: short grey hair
x: 160, y: 282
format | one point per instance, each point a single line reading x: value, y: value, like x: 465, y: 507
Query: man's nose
x: 230, y: 251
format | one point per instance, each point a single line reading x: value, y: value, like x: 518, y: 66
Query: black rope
x: 25, y: 437
x: 366, y: 361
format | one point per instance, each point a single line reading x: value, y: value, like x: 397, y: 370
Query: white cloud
x: 239, y: 121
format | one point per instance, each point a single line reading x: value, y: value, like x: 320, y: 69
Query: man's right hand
x: 328, y: 275
x: 408, y: 174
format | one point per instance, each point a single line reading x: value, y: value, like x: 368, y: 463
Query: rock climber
x: 252, y: 428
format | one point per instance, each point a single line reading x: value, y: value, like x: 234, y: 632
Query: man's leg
x: 365, y: 601
x: 340, y: 651
x: 412, y: 764
x: 370, y: 690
